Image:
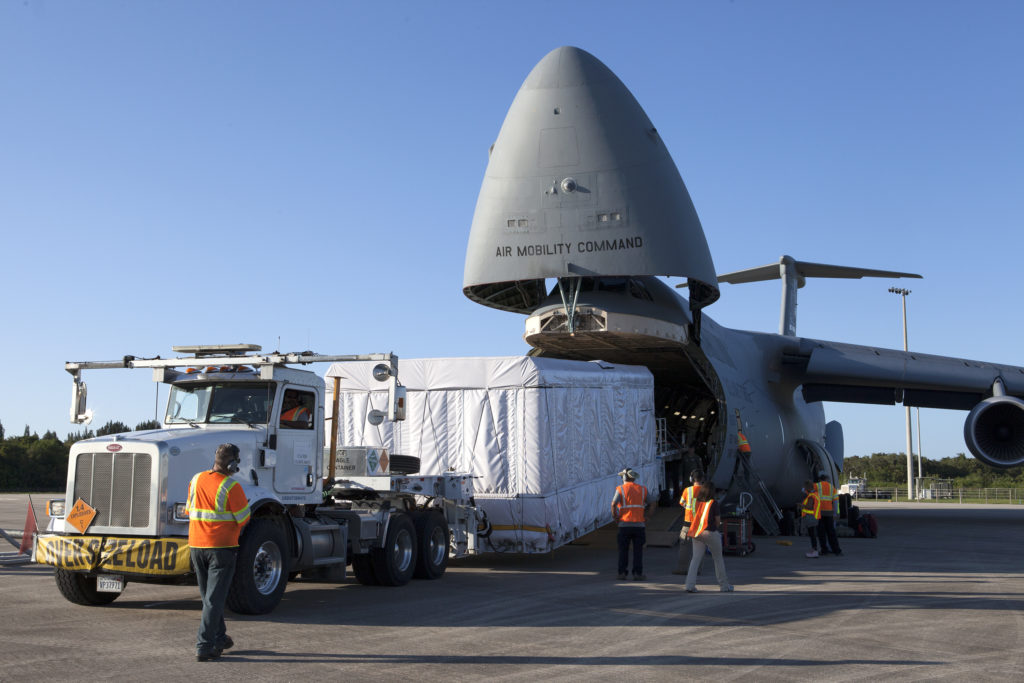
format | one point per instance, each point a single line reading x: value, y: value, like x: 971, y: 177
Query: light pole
x: 910, y: 436
x: 920, y: 444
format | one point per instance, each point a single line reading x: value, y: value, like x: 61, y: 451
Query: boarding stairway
x: 761, y: 506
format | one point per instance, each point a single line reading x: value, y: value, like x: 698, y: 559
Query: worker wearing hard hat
x: 688, y: 501
x: 630, y: 506
x: 827, y: 525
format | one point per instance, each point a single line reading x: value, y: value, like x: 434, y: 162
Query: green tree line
x: 890, y: 470
x: 40, y: 463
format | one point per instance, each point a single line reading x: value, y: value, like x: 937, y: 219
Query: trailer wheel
x: 362, y: 567
x: 404, y: 464
x: 261, y: 571
x: 432, y: 542
x: 81, y: 589
x: 394, y: 563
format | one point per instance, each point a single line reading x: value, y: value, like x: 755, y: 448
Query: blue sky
x: 303, y: 175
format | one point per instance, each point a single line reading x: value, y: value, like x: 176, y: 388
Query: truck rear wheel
x: 261, y: 569
x: 394, y: 563
x: 81, y: 589
x: 432, y: 542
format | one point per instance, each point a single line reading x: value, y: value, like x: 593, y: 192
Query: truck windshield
x: 212, y: 402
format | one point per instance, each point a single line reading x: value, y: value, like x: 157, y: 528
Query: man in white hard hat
x: 630, y: 506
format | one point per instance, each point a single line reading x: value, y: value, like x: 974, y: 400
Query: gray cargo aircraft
x: 581, y: 192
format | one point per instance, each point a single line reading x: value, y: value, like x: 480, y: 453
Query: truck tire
x: 261, y: 568
x: 404, y: 464
x: 432, y: 542
x: 362, y: 567
x: 395, y: 561
x: 81, y: 589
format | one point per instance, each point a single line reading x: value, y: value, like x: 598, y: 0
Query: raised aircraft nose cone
x: 580, y: 183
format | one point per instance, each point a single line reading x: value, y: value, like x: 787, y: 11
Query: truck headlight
x: 55, y: 507
x: 180, y: 515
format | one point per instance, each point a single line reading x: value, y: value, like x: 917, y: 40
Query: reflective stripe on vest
x: 634, y: 499
x: 811, y: 505
x: 744, y: 446
x: 296, y: 415
x: 826, y: 494
x: 700, y: 518
x: 689, y: 502
x: 220, y: 512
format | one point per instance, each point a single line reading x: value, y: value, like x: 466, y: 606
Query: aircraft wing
x: 994, y: 431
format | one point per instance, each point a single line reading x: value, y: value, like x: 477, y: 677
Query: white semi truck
x: 123, y: 519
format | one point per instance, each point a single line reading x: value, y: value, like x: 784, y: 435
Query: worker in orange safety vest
x: 217, y: 510
x: 293, y: 414
x: 630, y: 506
x: 688, y: 501
x: 705, y: 530
x: 810, y: 513
x: 743, y: 444
x: 827, y: 524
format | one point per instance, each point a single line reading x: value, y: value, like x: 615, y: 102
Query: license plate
x: 106, y: 583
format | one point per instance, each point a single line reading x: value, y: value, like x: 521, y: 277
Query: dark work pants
x: 215, y: 567
x: 827, y: 535
x: 637, y: 535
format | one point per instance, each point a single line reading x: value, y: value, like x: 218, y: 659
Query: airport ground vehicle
x: 123, y: 516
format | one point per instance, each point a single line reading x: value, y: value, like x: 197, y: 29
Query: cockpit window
x: 220, y: 402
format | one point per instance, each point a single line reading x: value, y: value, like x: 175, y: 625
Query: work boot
x: 226, y: 644
x: 207, y: 655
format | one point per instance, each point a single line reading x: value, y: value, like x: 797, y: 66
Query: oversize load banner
x: 152, y: 556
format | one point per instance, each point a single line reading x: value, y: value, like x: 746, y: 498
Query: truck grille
x: 117, y: 485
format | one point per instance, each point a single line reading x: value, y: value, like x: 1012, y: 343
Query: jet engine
x: 994, y: 431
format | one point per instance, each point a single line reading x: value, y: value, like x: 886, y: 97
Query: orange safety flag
x: 29, y: 533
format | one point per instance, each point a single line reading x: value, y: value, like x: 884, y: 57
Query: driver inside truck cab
x: 296, y: 412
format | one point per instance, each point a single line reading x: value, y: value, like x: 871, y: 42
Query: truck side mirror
x: 79, y: 413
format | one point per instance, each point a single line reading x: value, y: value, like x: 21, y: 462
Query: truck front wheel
x: 394, y: 563
x: 261, y: 568
x: 81, y: 588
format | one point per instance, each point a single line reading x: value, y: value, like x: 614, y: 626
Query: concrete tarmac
x: 937, y: 596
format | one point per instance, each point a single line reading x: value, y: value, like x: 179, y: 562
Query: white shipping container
x: 544, y: 437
